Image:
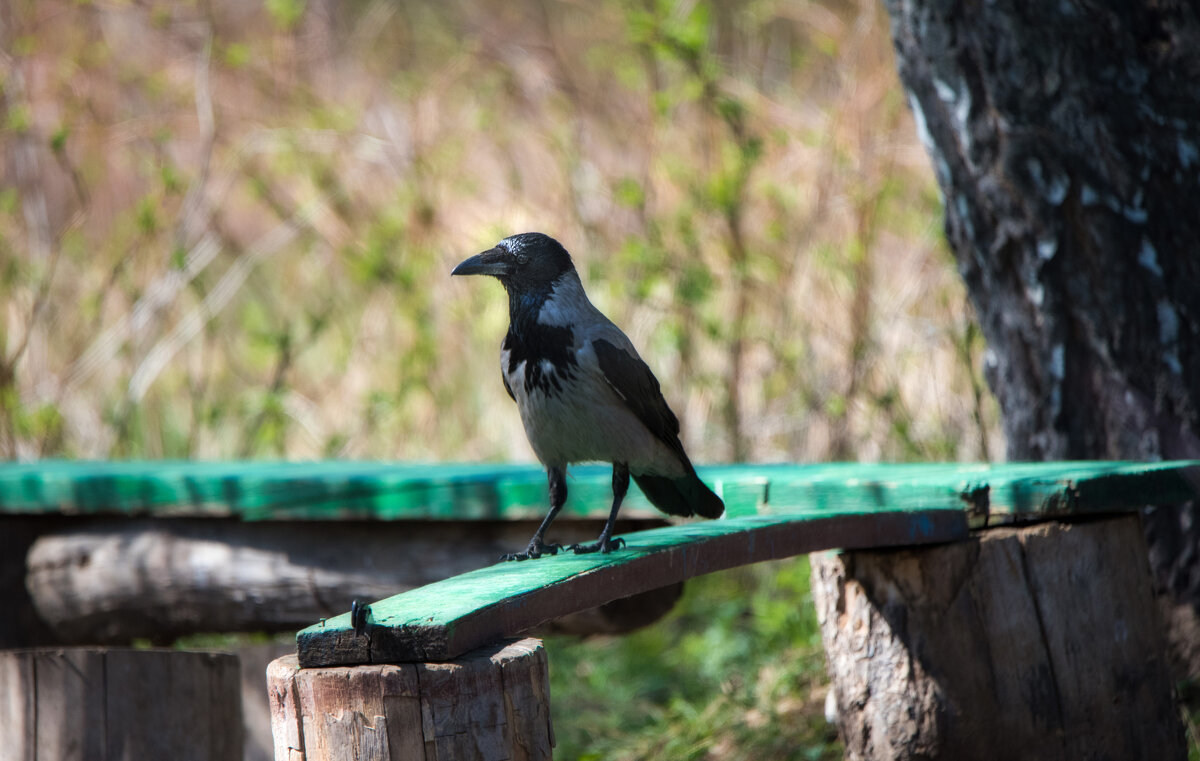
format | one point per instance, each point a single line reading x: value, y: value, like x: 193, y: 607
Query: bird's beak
x: 494, y: 262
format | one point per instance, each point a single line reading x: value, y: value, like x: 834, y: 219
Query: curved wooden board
x: 445, y: 619
x: 800, y: 509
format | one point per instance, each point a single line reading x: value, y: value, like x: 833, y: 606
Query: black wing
x: 631, y: 378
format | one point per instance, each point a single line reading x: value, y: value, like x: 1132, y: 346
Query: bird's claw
x: 534, y: 550
x: 601, y: 545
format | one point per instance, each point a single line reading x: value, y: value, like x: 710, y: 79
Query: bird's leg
x: 558, y: 495
x: 606, y: 543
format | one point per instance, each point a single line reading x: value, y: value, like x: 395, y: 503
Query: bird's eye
x: 522, y: 259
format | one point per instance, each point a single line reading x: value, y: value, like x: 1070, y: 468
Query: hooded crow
x: 583, y: 392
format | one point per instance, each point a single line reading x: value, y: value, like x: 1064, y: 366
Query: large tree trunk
x: 1066, y: 141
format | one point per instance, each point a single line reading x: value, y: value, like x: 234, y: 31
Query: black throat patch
x: 533, y: 343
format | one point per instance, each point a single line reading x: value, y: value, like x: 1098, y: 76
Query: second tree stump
x: 490, y: 704
x: 1040, y: 643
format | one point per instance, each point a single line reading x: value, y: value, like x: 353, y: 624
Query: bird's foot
x: 536, y: 549
x: 603, y: 544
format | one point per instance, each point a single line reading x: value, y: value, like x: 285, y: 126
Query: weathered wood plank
x: 18, y: 708
x: 299, y: 490
x: 111, y: 580
x: 406, y: 491
x: 448, y: 618
x: 92, y: 703
x: 286, y: 727
x: 991, y: 494
x: 70, y: 691
x: 489, y: 705
x: 172, y: 704
x: 804, y: 510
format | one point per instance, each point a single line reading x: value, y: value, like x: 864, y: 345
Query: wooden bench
x: 975, y: 612
x: 240, y: 531
x: 108, y: 552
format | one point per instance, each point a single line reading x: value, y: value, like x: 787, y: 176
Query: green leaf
x: 58, y: 140
x: 147, y: 215
x: 286, y: 13
x: 628, y: 192
x: 20, y: 118
x: 236, y: 54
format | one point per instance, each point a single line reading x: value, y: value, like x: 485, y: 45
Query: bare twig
x: 190, y: 326
x: 194, y: 215
x: 34, y: 209
x: 159, y: 295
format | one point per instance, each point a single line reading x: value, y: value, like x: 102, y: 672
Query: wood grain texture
x: 111, y: 580
x: 286, y: 728
x: 1040, y: 642
x: 18, y: 708
x: 71, y: 683
x: 96, y: 704
x: 405, y: 491
x: 492, y: 703
x: 443, y: 620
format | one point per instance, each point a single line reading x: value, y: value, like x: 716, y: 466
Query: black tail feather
x: 684, y: 496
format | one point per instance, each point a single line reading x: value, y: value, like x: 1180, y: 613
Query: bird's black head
x: 529, y: 262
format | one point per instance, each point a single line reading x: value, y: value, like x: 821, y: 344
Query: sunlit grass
x: 251, y: 214
x: 735, y: 671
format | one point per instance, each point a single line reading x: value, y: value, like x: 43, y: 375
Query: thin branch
x: 158, y: 296
x: 194, y: 212
x: 33, y: 206
x: 217, y: 299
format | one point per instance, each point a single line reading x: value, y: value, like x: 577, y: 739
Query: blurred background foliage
x: 736, y: 671
x: 226, y: 230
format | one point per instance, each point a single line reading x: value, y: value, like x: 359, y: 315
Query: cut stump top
x: 773, y: 512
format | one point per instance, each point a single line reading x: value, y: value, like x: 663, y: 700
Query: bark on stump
x: 93, y: 704
x: 1063, y: 136
x: 493, y: 703
x: 1040, y: 642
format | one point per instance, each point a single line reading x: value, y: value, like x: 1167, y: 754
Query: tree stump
x: 490, y: 704
x: 93, y: 704
x: 1039, y: 642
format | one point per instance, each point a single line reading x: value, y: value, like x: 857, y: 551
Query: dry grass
x: 226, y: 230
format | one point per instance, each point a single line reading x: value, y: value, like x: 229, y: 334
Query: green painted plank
x: 800, y: 509
x: 992, y: 494
x: 396, y: 491
x: 445, y: 619
x: 300, y: 491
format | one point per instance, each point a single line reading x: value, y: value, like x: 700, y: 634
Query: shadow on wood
x: 93, y: 704
x: 444, y: 620
x: 1038, y: 643
x: 112, y: 580
x: 491, y: 704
